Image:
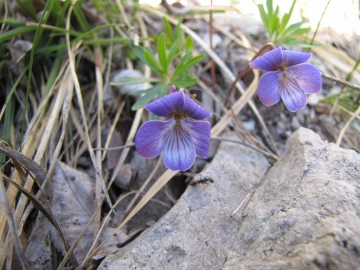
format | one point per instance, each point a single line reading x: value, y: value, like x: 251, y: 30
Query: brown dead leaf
x: 73, y: 204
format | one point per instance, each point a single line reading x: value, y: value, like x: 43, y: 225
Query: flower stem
x: 267, y: 46
x: 342, y: 82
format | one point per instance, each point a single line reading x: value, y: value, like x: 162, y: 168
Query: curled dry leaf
x: 72, y: 205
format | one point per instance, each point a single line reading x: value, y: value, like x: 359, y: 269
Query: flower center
x: 281, y: 67
x: 177, y: 118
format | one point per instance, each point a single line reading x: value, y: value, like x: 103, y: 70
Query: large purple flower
x: 288, y: 78
x: 183, y: 135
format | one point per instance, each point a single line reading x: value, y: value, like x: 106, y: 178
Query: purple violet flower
x: 183, y: 135
x: 288, y: 78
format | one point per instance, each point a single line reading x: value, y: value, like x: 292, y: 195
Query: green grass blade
x: 54, y: 72
x: 44, y: 17
x: 17, y: 31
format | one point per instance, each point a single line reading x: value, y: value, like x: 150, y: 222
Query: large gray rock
x: 198, y: 231
x: 305, y: 215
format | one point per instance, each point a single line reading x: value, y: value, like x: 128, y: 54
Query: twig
x: 212, y: 70
x: 318, y: 25
x: 340, y: 81
x: 250, y: 194
x: 247, y: 145
x: 342, y: 132
x: 115, y: 148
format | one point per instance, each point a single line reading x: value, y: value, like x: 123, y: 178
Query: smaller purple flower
x: 183, y: 135
x: 288, y: 77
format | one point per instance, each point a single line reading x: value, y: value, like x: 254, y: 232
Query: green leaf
x: 139, y: 52
x: 152, y: 63
x: 286, y: 18
x: 173, y: 49
x: 184, y: 81
x: 150, y: 94
x: 185, y: 67
x: 168, y: 30
x: 178, y: 31
x: 17, y: 31
x: 293, y: 27
x: 189, y: 44
x: 130, y: 80
x: 161, y: 49
x: 269, y: 5
x: 264, y: 16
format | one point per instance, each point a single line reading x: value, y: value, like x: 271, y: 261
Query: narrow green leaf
x: 264, y: 16
x: 130, y: 80
x: 150, y: 94
x: 161, y: 49
x: 184, y: 81
x: 183, y: 68
x: 151, y: 61
x: 139, y: 52
x: 105, y: 41
x: 183, y: 60
x: 178, y: 31
x: 168, y: 30
x: 286, y: 18
x: 54, y: 72
x: 298, y: 32
x: 173, y: 49
x: 189, y: 44
x: 269, y: 5
x: 293, y: 27
x: 351, y: 73
x: 80, y: 16
x: 17, y: 31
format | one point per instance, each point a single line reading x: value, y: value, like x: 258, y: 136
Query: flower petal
x: 200, y: 135
x: 292, y: 95
x: 193, y: 110
x: 307, y: 76
x: 178, y: 149
x: 291, y: 58
x: 177, y: 102
x: 150, y: 136
x: 166, y: 105
x: 268, y: 88
x: 270, y: 61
